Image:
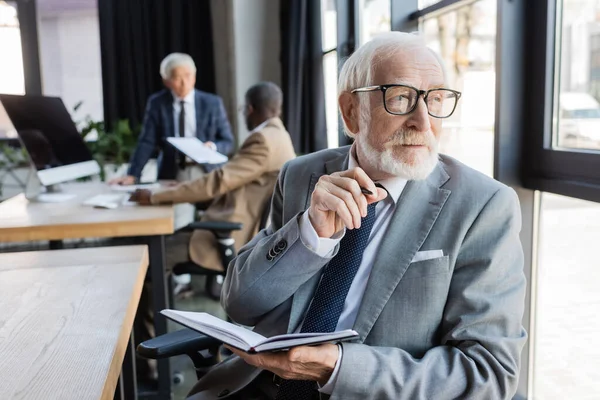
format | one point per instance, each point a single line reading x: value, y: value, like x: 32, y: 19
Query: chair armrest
x: 215, y: 226
x: 184, y: 341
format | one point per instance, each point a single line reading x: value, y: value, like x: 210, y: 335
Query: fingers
x: 341, y: 199
x: 379, y: 195
x: 134, y: 196
x: 361, y: 177
x: 349, y: 191
x: 334, y: 199
x: 141, y: 196
x: 124, y: 180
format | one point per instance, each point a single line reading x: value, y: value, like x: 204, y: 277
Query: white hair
x: 358, y: 69
x: 175, y: 60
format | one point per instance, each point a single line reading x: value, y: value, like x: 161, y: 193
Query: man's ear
x: 349, y: 109
x: 167, y: 83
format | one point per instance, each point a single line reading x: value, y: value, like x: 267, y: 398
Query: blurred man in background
x: 179, y: 111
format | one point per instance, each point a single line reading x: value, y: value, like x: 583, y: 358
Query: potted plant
x: 14, y: 163
x: 111, y: 149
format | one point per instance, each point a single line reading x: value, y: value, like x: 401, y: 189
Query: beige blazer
x: 239, y: 190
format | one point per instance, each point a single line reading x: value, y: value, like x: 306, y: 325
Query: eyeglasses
x: 403, y: 99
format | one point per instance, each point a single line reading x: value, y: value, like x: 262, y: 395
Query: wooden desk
x: 66, y: 320
x: 24, y: 220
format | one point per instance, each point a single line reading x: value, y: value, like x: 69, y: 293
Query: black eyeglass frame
x: 424, y: 93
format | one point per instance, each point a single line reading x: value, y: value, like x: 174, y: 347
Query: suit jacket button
x: 223, y: 392
x: 269, y: 258
x: 281, y: 245
x: 273, y: 253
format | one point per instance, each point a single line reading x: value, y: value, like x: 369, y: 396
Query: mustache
x: 412, y: 137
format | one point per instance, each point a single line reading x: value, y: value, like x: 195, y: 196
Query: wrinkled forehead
x: 415, y: 66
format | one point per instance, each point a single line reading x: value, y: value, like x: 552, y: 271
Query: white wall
x: 70, y: 60
x: 247, y: 47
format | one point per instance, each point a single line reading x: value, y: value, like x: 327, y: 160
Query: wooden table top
x: 66, y: 319
x: 22, y: 220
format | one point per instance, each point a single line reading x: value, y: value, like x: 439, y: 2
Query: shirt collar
x: 189, y: 98
x: 260, y: 127
x: 394, y: 186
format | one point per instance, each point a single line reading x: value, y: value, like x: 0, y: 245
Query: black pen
x: 366, y: 191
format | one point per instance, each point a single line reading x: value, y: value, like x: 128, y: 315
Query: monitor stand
x: 36, y: 192
x: 56, y: 188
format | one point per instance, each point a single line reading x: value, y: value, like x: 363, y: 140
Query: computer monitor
x: 54, y: 145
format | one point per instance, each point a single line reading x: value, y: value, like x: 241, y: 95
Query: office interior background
x: 529, y: 116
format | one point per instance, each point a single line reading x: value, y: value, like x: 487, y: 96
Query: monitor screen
x: 50, y: 137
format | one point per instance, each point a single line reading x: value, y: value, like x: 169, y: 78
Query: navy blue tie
x: 328, y: 301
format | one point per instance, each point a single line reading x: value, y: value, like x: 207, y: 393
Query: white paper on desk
x: 54, y: 197
x: 195, y: 149
x: 133, y: 188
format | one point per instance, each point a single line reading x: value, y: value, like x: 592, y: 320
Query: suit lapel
x: 416, y: 212
x: 200, y: 117
x: 169, y: 115
x: 304, y: 294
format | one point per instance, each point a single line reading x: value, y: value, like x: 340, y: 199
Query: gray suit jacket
x: 445, y: 328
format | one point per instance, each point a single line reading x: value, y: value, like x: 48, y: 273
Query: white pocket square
x: 427, y: 255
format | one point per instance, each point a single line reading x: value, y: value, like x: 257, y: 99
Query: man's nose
x: 419, y: 118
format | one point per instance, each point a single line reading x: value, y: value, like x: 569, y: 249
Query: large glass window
x: 466, y: 39
x: 330, y: 68
x: 70, y: 54
x: 11, y: 64
x: 375, y: 17
x: 577, y: 100
x: 426, y: 3
x: 566, y: 357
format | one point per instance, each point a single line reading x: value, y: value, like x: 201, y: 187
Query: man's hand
x: 211, y: 145
x: 338, y: 201
x: 124, y: 180
x: 142, y: 197
x: 309, y: 363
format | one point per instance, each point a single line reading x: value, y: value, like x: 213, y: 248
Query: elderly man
x: 415, y: 251
x: 178, y: 111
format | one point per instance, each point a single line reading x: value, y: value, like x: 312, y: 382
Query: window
x: 12, y: 79
x: 375, y: 16
x: 426, y: 3
x: 330, y: 68
x: 69, y: 36
x: 566, y: 358
x: 577, y: 109
x: 466, y: 40
x: 561, y: 155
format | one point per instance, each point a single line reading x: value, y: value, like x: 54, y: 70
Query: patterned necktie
x: 328, y: 301
x: 180, y: 155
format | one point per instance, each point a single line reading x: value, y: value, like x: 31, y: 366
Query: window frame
x: 569, y: 172
x: 28, y: 26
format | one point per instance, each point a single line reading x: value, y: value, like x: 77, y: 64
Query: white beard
x: 385, y: 161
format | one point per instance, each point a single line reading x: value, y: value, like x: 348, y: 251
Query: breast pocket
x: 434, y: 266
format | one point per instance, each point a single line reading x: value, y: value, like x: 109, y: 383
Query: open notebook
x: 246, y: 340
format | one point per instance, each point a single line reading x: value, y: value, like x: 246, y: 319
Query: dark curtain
x: 135, y: 35
x: 302, y: 74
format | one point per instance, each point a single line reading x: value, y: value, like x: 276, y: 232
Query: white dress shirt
x: 189, y: 102
x: 325, y: 246
x: 259, y: 127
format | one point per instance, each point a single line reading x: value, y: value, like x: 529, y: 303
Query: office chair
x: 226, y: 246
x: 201, y: 349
